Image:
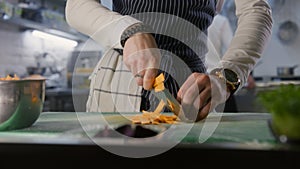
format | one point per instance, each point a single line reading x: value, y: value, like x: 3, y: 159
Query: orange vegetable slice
x: 156, y: 117
x: 8, y: 77
x: 159, y: 83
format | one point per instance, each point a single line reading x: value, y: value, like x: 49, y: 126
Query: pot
x: 286, y: 71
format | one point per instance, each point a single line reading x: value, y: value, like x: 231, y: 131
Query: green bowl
x: 21, y: 103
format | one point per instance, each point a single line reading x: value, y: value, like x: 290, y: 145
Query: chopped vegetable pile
x: 8, y: 77
x: 156, y: 117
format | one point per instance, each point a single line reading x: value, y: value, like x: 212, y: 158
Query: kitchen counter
x: 276, y: 83
x: 235, y: 139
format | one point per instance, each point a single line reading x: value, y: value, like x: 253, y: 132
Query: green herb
x: 284, y: 105
x: 284, y: 100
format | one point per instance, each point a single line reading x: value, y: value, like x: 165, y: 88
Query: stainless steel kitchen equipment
x: 286, y: 71
x: 21, y: 102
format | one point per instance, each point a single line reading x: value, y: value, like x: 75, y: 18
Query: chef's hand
x: 200, y: 94
x: 142, y: 57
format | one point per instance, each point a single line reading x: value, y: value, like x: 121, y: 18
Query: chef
x: 146, y: 37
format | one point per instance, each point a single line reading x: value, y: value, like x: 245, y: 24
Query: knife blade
x: 170, y: 102
x: 163, y: 94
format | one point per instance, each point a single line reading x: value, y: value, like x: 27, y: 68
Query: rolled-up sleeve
x: 98, y: 22
x: 253, y: 31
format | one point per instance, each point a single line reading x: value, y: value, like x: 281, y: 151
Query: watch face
x: 231, y: 76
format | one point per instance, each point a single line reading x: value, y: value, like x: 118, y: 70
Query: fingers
x: 190, y: 80
x: 204, y: 97
x: 200, y: 94
x: 139, y: 76
x: 149, y: 77
x: 202, y: 106
x: 146, y: 78
x: 195, y: 84
x: 195, y: 96
x: 142, y: 57
x: 144, y: 65
x: 203, y: 112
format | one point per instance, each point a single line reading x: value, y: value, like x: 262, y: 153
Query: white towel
x: 113, y: 87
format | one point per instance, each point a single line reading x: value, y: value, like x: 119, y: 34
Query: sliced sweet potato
x: 156, y: 117
x: 8, y: 77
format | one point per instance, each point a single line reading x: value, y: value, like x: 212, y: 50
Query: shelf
x: 278, y: 78
x: 27, y: 24
x: 42, y: 19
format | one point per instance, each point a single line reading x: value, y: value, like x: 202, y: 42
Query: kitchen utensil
x: 286, y: 70
x: 170, y: 102
x: 21, y: 102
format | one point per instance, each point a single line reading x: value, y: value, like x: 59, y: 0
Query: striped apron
x: 113, y: 87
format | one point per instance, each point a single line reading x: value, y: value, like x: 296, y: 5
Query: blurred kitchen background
x: 67, y: 58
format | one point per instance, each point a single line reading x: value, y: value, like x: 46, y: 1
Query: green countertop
x: 70, y: 138
x: 244, y: 130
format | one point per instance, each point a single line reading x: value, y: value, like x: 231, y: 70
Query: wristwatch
x: 136, y: 28
x: 230, y: 77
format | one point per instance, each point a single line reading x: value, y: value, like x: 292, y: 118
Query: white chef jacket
x: 252, y: 33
